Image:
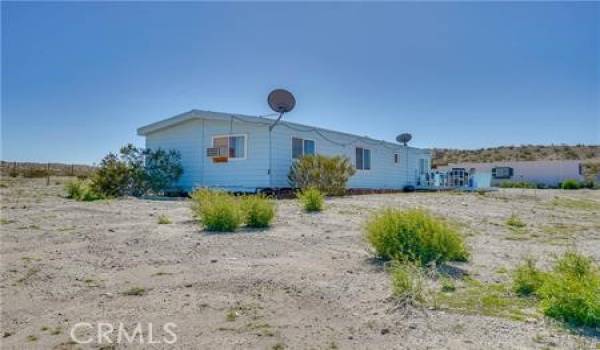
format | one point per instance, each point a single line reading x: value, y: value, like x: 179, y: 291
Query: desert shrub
x: 408, y: 282
x: 517, y: 184
x: 415, y: 235
x: 218, y: 211
x: 258, y: 210
x: 570, y: 292
x: 327, y: 174
x: 136, y: 171
x: 570, y: 184
x: 312, y: 199
x: 527, y: 279
x: 151, y: 170
x: 515, y: 221
x: 81, y: 191
x: 112, y: 177
x: 164, y: 220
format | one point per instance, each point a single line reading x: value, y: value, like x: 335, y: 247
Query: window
x: 363, y: 158
x: 396, y: 158
x: 302, y: 147
x: 502, y: 172
x: 232, y: 146
x: 421, y: 166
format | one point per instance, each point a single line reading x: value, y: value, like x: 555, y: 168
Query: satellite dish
x: 281, y: 101
x: 404, y: 138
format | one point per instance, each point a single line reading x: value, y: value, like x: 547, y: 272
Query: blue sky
x: 79, y: 78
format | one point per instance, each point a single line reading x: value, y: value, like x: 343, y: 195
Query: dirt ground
x: 308, y: 282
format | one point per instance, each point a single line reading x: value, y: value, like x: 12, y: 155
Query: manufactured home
x: 246, y: 153
x: 543, y: 172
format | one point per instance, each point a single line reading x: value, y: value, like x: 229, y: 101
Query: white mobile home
x: 242, y: 153
x: 543, y: 172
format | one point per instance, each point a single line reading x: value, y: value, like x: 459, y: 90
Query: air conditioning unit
x: 217, y: 152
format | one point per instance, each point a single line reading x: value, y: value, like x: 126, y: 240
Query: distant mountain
x: 443, y: 156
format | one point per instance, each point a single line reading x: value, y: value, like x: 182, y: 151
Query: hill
x: 443, y: 156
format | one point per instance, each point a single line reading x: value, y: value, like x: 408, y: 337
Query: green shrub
x: 258, y: 210
x: 414, y: 235
x: 135, y: 171
x: 517, y: 184
x: 164, y: 220
x: 408, y: 282
x: 218, y: 211
x: 312, y: 199
x: 570, y: 184
x: 570, y: 292
x: 515, y: 221
x: 112, y: 177
x: 81, y: 191
x: 327, y: 174
x: 527, y: 279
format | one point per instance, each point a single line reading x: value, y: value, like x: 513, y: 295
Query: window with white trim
x: 363, y: 158
x: 302, y: 147
x: 232, y: 146
x: 502, y: 172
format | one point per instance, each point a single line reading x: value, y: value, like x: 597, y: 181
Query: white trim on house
x: 212, y: 142
x: 201, y: 114
x: 292, y: 137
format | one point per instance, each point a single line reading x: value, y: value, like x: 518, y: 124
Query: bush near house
x: 312, y: 199
x: 258, y: 211
x: 222, y: 212
x: 136, y: 171
x: 81, y: 190
x: 414, y: 235
x: 327, y: 174
x: 517, y: 184
x: 570, y: 184
x: 569, y: 292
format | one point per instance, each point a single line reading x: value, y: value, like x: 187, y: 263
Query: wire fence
x: 41, y: 170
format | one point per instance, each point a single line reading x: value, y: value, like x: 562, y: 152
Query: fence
x: 33, y: 170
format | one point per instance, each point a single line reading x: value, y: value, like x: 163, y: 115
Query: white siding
x: 384, y: 173
x: 193, y: 136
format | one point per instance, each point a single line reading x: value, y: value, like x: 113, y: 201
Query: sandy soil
x: 308, y: 282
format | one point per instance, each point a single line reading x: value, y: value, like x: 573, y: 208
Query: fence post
x: 72, y: 169
x: 48, y: 174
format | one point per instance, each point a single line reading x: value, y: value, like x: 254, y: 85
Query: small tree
x: 327, y: 174
x: 112, y: 177
x: 137, y: 171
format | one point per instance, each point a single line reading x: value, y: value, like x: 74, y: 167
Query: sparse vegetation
x: 576, y: 204
x: 218, y: 211
x: 414, y: 235
x: 163, y: 219
x: 569, y: 292
x: 527, y: 279
x: 222, y: 212
x: 408, y: 282
x: 571, y: 184
x: 312, y: 199
x: 515, y: 221
x: 81, y: 190
x: 517, y: 184
x: 258, y: 211
x: 135, y: 291
x: 327, y: 174
x: 489, y: 299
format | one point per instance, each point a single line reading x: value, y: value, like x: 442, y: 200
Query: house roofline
x: 202, y: 114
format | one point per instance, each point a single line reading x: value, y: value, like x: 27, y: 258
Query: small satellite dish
x: 281, y: 101
x: 404, y: 138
